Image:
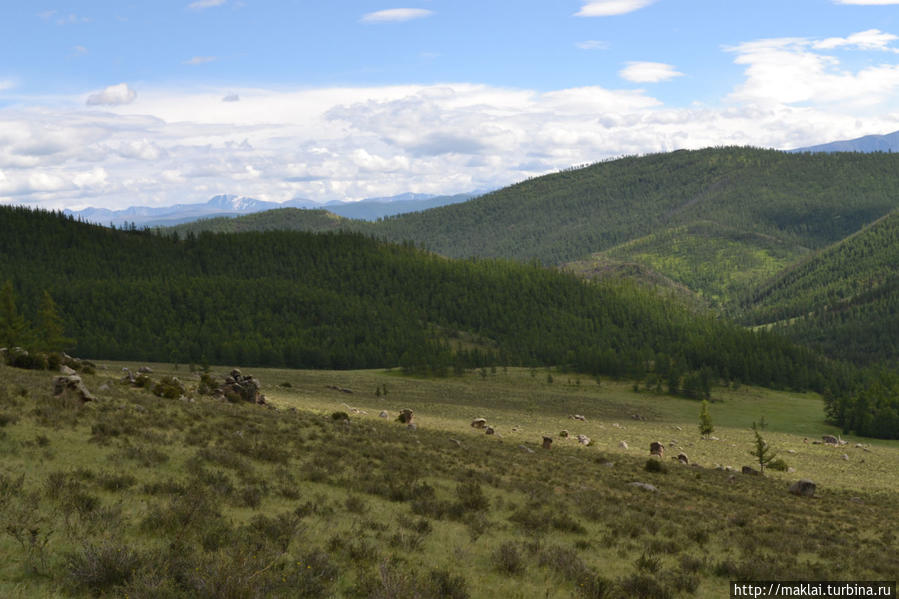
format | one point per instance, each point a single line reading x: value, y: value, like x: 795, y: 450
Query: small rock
x: 526, y: 449
x: 714, y: 438
x: 830, y: 440
x: 563, y: 433
x: 66, y: 370
x: 583, y: 439
x: 790, y: 470
x: 411, y: 426
x: 845, y: 456
x: 383, y: 414
x: 791, y: 451
x: 682, y: 458
x: 456, y: 442
x: 622, y: 444
x: 644, y: 486
x: 489, y: 430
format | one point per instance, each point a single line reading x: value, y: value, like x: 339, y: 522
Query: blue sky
x: 115, y: 103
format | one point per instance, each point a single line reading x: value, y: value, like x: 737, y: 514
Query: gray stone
x: 803, y: 488
x: 622, y: 444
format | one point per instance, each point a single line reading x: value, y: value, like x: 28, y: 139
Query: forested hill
x: 801, y: 200
x: 843, y: 300
x: 348, y: 301
x: 809, y: 200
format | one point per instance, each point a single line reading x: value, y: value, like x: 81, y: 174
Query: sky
x: 115, y: 103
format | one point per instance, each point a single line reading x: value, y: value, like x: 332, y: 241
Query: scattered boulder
x: 383, y: 414
x: 830, y: 440
x: 411, y: 426
x: 622, y: 444
x: 405, y: 416
x: 103, y: 387
x: 243, y: 387
x: 791, y: 451
x: 644, y: 486
x: 845, y: 456
x: 750, y: 470
x: 656, y: 448
x: 525, y: 449
x: 803, y: 488
x: 563, y: 433
x: 63, y: 369
x: 71, y: 385
x: 479, y: 423
x: 682, y: 458
x: 456, y: 442
x: 583, y: 439
x: 580, y: 417
x: 145, y: 370
x: 489, y: 430
x: 547, y: 442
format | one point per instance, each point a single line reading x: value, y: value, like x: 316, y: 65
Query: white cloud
x: 648, y: 72
x: 114, y: 95
x: 231, y: 98
x: 6, y: 84
x: 396, y: 14
x: 791, y: 71
x: 200, y: 60
x: 202, y: 4
x: 872, y: 39
x: 46, y: 14
x: 608, y: 8
x: 592, y: 45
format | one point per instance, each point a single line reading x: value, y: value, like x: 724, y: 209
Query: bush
x: 778, y: 464
x: 169, y: 387
x: 102, y: 567
x: 507, y: 559
x: 654, y: 465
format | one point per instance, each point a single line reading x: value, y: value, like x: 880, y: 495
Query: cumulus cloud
x: 608, y: 8
x: 648, y: 72
x: 185, y: 145
x: 114, y: 95
x: 396, y: 14
x: 6, y: 84
x: 794, y: 70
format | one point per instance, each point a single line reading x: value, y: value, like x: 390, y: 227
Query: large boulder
x: 803, y: 488
x: 657, y: 448
x: 71, y: 385
x: 830, y: 440
x: 479, y: 423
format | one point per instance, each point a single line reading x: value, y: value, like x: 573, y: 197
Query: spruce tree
x: 705, y: 420
x: 13, y: 329
x: 50, y: 332
x: 763, y: 452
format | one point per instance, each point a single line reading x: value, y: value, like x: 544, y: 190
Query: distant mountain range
x: 868, y: 143
x: 233, y: 205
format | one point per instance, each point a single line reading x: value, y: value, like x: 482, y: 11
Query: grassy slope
x: 564, y: 512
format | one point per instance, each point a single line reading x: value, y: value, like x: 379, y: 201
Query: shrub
x: 7, y: 419
x: 115, y: 482
x: 507, y: 559
x: 169, y: 387
x: 447, y: 586
x: 340, y: 416
x: 778, y: 464
x: 99, y: 568
x: 654, y: 465
x: 471, y: 497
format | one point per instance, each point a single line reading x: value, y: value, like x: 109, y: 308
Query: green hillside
x: 282, y: 219
x: 804, y: 200
x: 843, y: 300
x: 718, y: 262
x: 348, y: 301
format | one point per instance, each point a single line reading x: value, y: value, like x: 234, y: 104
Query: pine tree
x: 13, y: 329
x: 705, y: 420
x: 50, y: 332
x: 762, y: 451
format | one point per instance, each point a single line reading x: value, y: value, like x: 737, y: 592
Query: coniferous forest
x: 806, y: 272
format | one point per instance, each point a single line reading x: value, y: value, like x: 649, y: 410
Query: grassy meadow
x: 140, y: 496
